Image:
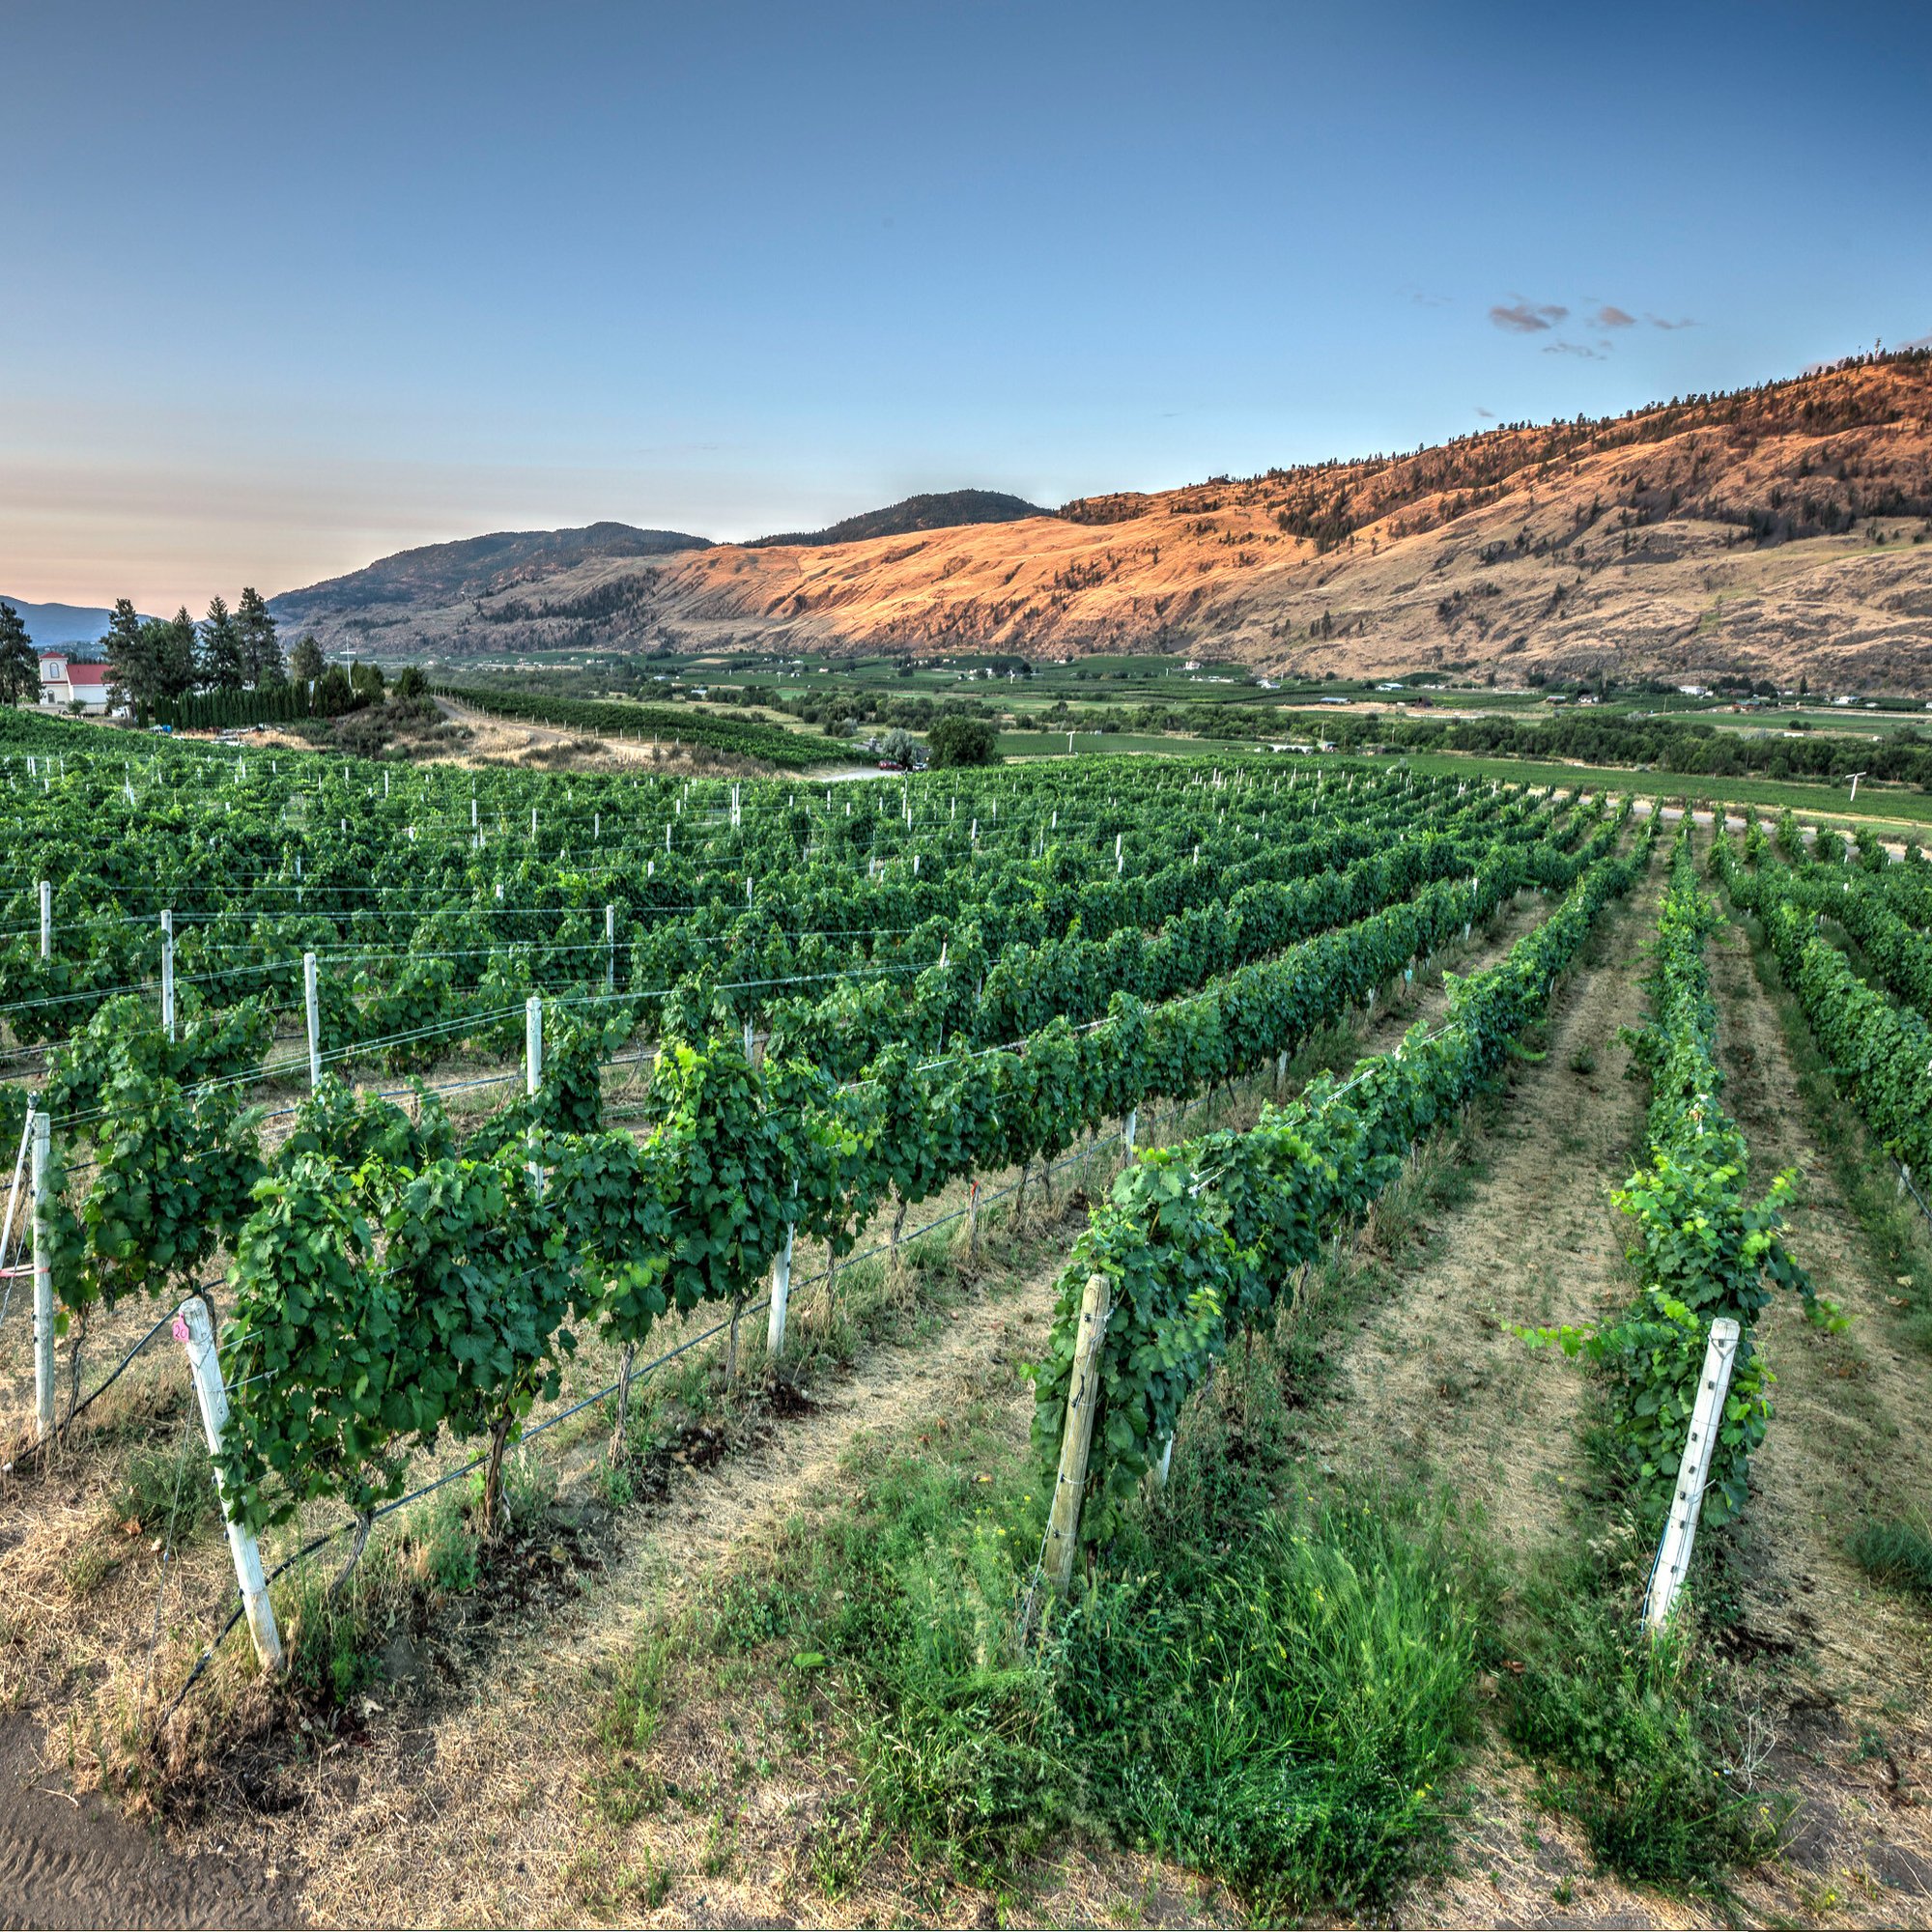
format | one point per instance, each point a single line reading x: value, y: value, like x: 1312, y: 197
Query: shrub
x: 964, y: 741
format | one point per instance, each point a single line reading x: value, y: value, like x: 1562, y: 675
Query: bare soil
x: 70, y: 1861
x: 505, y: 741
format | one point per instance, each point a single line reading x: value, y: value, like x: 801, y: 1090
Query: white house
x: 63, y: 680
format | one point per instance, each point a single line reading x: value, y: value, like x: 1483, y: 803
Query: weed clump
x: 1282, y: 1717
x: 1898, y: 1553
x: 1272, y: 1686
x: 1639, y: 1738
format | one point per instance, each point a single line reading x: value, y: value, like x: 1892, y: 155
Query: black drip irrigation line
x: 444, y: 1480
x: 1911, y: 1187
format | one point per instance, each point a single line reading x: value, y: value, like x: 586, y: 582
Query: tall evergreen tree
x: 130, y: 653
x: 221, y: 663
x: 259, y: 647
x: 305, y: 662
x: 173, y: 650
x: 19, y: 662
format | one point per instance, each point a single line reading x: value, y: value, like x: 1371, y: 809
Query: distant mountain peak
x: 54, y: 626
x: 1781, y: 528
x: 936, y: 510
x: 476, y: 567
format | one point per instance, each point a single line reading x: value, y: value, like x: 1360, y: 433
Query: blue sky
x: 288, y: 287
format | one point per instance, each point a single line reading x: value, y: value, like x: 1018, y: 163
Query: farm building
x: 63, y: 679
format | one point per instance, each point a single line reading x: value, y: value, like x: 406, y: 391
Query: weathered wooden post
x: 1063, y: 1524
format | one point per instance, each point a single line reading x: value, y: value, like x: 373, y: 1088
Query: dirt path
x: 498, y: 737
x: 1438, y: 1381
x: 69, y: 1864
x: 1436, y: 1388
x: 477, y: 1816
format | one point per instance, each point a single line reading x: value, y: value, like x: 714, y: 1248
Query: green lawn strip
x: 1053, y: 744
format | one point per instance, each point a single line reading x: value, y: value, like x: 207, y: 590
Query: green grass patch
x: 168, y: 1491
x: 1053, y: 744
x: 903, y: 1605
x: 1282, y: 1715
x: 1269, y: 1686
x: 622, y: 1788
x: 1895, y: 1553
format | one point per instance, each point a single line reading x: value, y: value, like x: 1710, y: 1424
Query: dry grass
x: 503, y: 742
x: 1437, y: 1386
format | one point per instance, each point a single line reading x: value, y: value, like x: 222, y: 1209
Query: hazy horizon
x: 295, y: 291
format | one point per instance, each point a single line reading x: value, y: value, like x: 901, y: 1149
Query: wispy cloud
x: 1528, y: 317
x: 1428, y: 298
x: 1487, y: 416
x: 1520, y: 316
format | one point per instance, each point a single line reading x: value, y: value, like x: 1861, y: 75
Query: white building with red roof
x: 63, y: 679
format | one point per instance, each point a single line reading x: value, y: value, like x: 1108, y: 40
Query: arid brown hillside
x: 1782, y: 529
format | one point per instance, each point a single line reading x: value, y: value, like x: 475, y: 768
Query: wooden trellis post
x: 1063, y: 1528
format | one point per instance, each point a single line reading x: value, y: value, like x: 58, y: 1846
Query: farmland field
x: 647, y: 1221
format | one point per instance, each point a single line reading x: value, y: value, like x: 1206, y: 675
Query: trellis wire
x: 604, y: 1393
